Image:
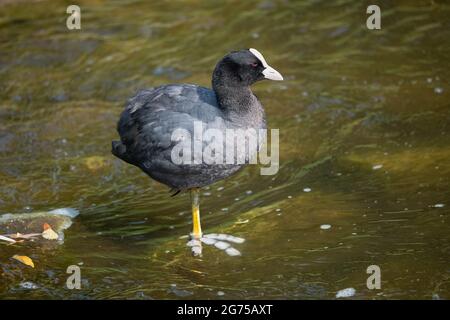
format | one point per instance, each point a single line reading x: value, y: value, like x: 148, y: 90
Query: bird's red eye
x: 254, y: 65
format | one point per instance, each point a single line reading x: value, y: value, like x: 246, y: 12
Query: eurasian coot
x: 150, y: 119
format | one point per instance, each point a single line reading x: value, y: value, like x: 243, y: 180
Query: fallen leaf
x: 49, y: 234
x: 25, y: 260
x: 23, y: 236
x: 7, y: 239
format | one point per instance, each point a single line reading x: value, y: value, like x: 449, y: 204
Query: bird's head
x: 243, y: 68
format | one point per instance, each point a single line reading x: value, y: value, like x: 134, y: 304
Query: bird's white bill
x: 272, y: 74
x: 269, y: 72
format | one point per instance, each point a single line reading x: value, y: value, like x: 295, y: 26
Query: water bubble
x: 345, y: 293
x: 307, y: 189
x: 325, y: 226
x: 28, y: 285
x: 438, y: 90
x: 377, y: 166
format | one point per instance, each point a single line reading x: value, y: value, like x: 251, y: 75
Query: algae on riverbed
x: 364, y: 122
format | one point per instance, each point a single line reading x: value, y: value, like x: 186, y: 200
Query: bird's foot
x: 219, y: 240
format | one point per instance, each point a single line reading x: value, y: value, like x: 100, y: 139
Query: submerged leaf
x: 48, y: 233
x: 25, y: 260
x: 19, y: 235
x: 7, y: 239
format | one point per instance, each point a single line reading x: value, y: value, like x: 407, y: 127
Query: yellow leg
x: 196, y: 227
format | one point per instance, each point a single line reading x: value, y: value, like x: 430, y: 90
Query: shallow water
x: 364, y: 124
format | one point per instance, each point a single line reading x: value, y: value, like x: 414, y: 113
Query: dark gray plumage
x: 150, y: 117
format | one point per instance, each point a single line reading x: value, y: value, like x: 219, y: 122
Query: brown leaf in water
x: 25, y: 260
x: 48, y: 233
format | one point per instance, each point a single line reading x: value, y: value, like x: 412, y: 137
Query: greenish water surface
x: 364, y: 119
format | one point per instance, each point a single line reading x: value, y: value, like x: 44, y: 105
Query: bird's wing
x: 151, y: 117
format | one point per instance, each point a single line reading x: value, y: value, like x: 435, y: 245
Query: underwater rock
x: 179, y: 292
x: 26, y: 223
x: 6, y: 141
x: 59, y: 96
x: 339, y: 31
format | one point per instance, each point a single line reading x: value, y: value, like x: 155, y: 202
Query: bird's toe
x: 220, y: 241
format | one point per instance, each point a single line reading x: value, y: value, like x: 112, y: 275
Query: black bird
x: 147, y: 125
